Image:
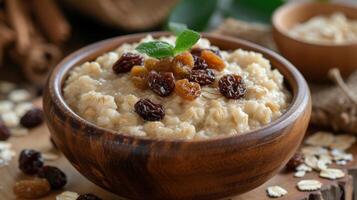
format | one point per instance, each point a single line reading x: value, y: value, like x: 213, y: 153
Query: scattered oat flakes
x: 343, y: 142
x: 6, y: 153
x: 341, y: 162
x: 276, y: 191
x: 10, y: 119
x: 325, y: 158
x: 22, y: 108
x: 320, y: 138
x: 67, y: 195
x: 300, y: 174
x: 19, y: 95
x: 313, y: 150
x: 321, y: 165
x: 309, y: 185
x: 332, y: 173
x: 6, y: 106
x: 311, y: 161
x: 304, y: 167
x: 19, y: 132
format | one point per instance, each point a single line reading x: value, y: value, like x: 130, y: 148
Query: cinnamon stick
x: 51, y: 20
x: 18, y: 21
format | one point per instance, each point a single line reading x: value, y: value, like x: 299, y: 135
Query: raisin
x: 149, y: 110
x: 199, y: 63
x: 162, y: 83
x: 126, y: 62
x: 30, y: 161
x: 88, y: 197
x: 32, y: 189
x: 213, y: 61
x: 202, y: 76
x: 32, y: 118
x: 187, y: 90
x: 181, y: 71
x: 197, y: 51
x: 139, y: 76
x: 4, y: 132
x: 185, y: 59
x: 232, y: 86
x: 150, y: 63
x: 297, y: 159
x: 54, y: 176
x: 163, y: 65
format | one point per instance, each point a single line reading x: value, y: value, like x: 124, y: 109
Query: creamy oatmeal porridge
x: 327, y: 29
x: 109, y: 98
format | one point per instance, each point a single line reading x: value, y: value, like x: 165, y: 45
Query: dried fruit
x: 213, y: 61
x: 309, y: 185
x: 187, y: 90
x: 297, y: 159
x: 4, y: 132
x: 32, y: 118
x: 199, y: 63
x: 276, y: 191
x: 139, y: 75
x: 32, y: 189
x: 54, y: 176
x: 150, y: 63
x: 232, y: 86
x: 203, y: 77
x: 88, y: 197
x: 126, y: 62
x: 30, y: 161
x: 149, y: 110
x: 197, y: 51
x: 162, y: 83
x: 181, y: 71
x: 162, y: 65
x: 184, y: 58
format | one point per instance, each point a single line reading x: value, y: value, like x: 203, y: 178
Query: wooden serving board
x: 39, y: 139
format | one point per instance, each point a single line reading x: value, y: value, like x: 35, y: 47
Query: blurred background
x: 36, y: 34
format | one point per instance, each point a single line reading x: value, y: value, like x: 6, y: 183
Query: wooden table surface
x: 39, y: 139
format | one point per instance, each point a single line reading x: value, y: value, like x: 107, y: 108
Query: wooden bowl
x: 313, y: 60
x: 144, y: 168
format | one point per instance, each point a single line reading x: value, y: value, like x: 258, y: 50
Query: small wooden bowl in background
x: 145, y: 168
x: 313, y: 60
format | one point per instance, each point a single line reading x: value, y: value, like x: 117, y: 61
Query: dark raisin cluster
x: 183, y: 74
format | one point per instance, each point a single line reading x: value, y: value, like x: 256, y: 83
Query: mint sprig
x: 160, y: 49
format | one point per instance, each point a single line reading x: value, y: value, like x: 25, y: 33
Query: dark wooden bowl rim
x: 289, y: 6
x: 296, y: 108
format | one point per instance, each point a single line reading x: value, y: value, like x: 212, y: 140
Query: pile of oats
x: 14, y: 104
x: 321, y: 150
x: 6, y: 153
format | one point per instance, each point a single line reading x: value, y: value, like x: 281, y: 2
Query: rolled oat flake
x: 276, y: 191
x: 309, y: 185
x: 332, y: 173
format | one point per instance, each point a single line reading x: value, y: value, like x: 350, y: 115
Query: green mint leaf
x: 177, y: 28
x: 186, y: 40
x: 156, y: 49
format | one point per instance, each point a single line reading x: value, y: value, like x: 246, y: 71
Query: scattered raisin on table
x: 149, y: 110
x: 232, y: 86
x: 199, y: 63
x: 202, y: 76
x: 162, y: 83
x: 32, y: 189
x: 54, y: 176
x: 88, y: 196
x: 4, y: 132
x: 30, y: 161
x: 126, y: 62
x: 32, y: 118
x: 139, y: 75
x: 297, y: 159
x: 187, y: 90
x: 213, y: 61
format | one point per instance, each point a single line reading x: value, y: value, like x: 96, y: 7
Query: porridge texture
x: 333, y: 29
x: 108, y: 99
